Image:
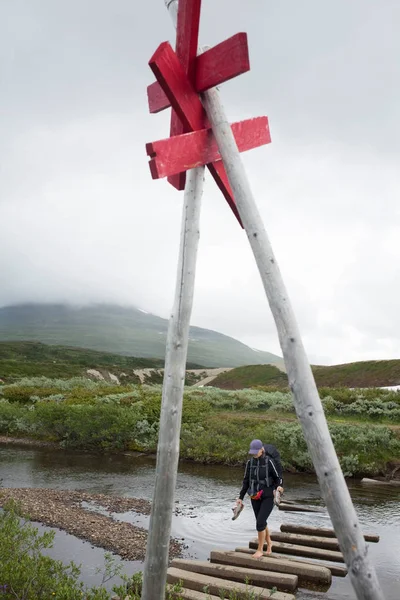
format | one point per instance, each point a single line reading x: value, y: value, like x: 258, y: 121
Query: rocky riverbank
x: 64, y: 510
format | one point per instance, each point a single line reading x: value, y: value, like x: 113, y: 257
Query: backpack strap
x: 267, y: 460
x: 274, y: 467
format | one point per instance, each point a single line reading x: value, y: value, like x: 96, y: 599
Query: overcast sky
x: 82, y: 221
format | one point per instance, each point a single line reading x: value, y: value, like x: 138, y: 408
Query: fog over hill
x: 128, y: 331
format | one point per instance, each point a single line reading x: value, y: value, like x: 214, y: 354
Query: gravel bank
x: 63, y: 509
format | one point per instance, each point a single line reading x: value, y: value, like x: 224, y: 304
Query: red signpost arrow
x: 183, y: 98
x: 198, y: 148
x: 187, y: 39
x: 186, y: 103
x: 215, y: 66
x: 181, y: 76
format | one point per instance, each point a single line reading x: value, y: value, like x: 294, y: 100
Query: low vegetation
x: 253, y: 376
x: 97, y: 416
x: 28, y: 573
x: 27, y: 359
x: 365, y: 374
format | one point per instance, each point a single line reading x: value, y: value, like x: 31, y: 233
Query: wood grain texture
x: 221, y: 63
x: 156, y: 98
x: 285, y: 582
x: 306, y: 551
x: 187, y: 37
x: 214, y: 585
x: 217, y: 170
x: 337, y: 570
x: 321, y: 531
x: 183, y: 98
x: 301, y: 380
x: 185, y: 101
x: 306, y: 572
x: 312, y: 541
x: 156, y: 563
x: 158, y: 542
x: 190, y: 150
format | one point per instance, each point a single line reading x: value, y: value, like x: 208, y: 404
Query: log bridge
x: 302, y: 557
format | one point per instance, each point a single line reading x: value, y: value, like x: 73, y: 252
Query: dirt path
x: 211, y: 374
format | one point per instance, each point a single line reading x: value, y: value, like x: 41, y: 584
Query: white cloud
x: 81, y: 219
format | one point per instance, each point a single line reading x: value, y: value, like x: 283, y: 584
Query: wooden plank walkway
x: 260, y: 577
x: 302, y: 557
x: 321, y: 531
x: 337, y: 570
x: 306, y: 573
x: 307, y: 551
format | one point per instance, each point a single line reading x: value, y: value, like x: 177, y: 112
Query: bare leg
x: 261, y: 542
x: 268, y: 540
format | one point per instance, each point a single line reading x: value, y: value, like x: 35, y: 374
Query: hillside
x: 379, y: 373
x: 371, y: 373
x: 32, y: 359
x: 118, y: 330
x: 250, y: 376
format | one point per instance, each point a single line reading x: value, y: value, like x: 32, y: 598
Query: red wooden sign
x: 187, y: 36
x: 181, y: 77
x: 215, y: 66
x: 192, y: 150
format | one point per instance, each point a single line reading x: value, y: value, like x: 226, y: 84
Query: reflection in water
x: 204, y: 497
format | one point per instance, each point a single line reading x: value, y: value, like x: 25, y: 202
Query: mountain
x: 126, y: 331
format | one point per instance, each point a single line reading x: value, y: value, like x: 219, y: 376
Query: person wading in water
x: 261, y: 478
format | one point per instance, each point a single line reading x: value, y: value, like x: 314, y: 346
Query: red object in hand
x: 257, y: 496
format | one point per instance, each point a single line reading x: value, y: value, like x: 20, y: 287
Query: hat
x: 255, y: 446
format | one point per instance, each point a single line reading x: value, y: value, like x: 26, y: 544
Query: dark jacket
x: 261, y: 474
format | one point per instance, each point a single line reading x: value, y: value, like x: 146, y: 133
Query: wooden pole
x: 156, y: 563
x: 157, y: 551
x: 172, y: 8
x: 301, y: 380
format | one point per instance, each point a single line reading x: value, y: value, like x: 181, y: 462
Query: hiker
x: 263, y: 475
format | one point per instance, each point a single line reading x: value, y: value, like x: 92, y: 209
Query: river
x: 205, y: 495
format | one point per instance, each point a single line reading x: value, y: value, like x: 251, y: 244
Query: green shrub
x: 93, y: 427
x: 375, y: 409
x: 15, y: 419
x: 216, y: 427
x: 349, y: 396
x: 26, y: 574
x: 23, y: 394
x: 331, y: 406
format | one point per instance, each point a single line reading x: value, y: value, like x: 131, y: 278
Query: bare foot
x: 269, y: 549
x: 258, y: 554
